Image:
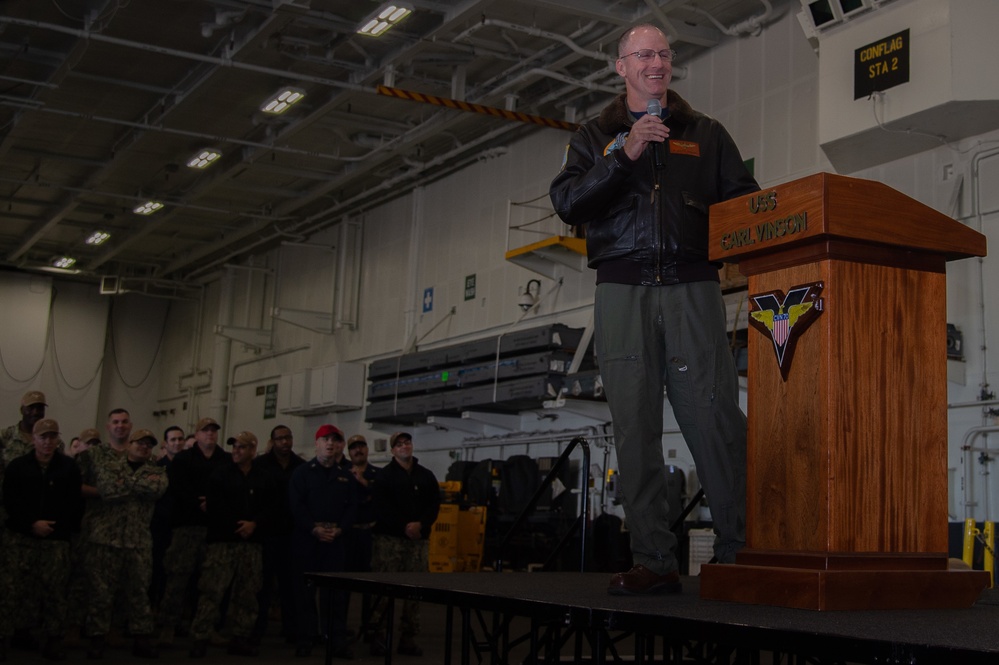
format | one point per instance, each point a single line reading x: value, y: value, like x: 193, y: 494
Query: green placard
x: 470, y: 287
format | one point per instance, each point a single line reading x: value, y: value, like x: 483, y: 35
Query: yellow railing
x: 987, y: 536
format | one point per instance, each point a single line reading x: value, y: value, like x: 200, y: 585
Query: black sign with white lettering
x: 881, y: 65
x: 270, y: 400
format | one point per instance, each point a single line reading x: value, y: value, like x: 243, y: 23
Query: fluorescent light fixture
x: 147, y: 208
x: 203, y: 158
x: 64, y: 262
x: 282, y: 100
x: 384, y: 18
x: 97, y: 238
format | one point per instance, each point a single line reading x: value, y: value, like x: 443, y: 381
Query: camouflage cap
x: 142, y: 434
x: 90, y: 435
x: 396, y: 439
x: 33, y: 397
x: 205, y: 423
x: 245, y: 438
x: 45, y: 426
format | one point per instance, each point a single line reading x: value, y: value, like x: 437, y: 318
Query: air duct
x: 907, y: 78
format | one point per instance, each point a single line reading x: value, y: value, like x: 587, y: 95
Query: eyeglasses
x: 646, y: 54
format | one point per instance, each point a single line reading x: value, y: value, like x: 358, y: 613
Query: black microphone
x: 653, y: 107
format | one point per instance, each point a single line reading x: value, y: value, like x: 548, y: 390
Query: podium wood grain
x: 847, y: 458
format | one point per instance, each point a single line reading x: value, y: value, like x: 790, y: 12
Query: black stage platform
x: 569, y: 617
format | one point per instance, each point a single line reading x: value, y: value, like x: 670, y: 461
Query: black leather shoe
x: 239, y: 646
x: 143, y: 647
x: 640, y: 581
x: 407, y: 647
x: 96, y: 649
x: 24, y: 641
x: 199, y: 649
x: 378, y: 647
x: 343, y: 652
x: 53, y: 650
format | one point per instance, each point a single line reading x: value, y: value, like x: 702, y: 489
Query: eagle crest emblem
x: 783, y: 318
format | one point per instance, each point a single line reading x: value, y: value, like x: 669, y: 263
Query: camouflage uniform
x: 189, y: 474
x: 120, y: 545
x: 182, y: 560
x: 34, y: 569
x: 35, y: 572
x: 92, y: 509
x: 390, y: 554
x: 228, y: 564
x: 232, y: 562
x: 401, y: 497
x: 14, y: 443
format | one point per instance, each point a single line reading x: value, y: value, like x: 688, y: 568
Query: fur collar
x: 615, y: 117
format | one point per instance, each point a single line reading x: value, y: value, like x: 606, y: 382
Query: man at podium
x: 640, y: 179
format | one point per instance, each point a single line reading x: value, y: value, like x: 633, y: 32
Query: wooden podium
x: 847, y: 443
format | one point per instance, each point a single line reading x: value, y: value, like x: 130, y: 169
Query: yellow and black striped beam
x: 503, y: 114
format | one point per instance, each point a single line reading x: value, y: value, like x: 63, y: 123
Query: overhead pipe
x: 405, y: 138
x: 753, y: 25
x: 965, y: 405
x: 976, y: 201
x: 229, y: 62
x: 235, y: 367
x: 96, y: 177
x: 232, y: 237
x: 586, y: 83
x: 220, y: 61
x: 679, y: 73
x: 198, y: 326
x: 147, y: 126
x: 320, y: 220
x: 671, y: 32
x: 573, y: 82
x: 536, y: 32
x: 223, y: 19
x: 490, y: 84
x: 972, y: 434
x: 40, y: 84
x: 38, y: 182
x: 219, y: 406
x: 411, y: 136
x: 338, y: 209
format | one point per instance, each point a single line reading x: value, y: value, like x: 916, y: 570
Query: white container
x: 701, y: 549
